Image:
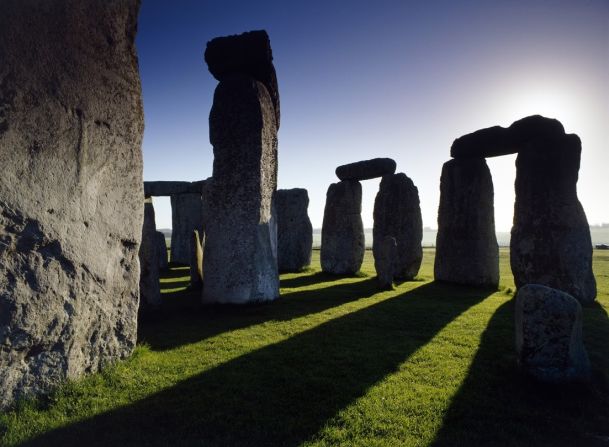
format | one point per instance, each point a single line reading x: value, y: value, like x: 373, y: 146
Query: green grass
x: 333, y: 362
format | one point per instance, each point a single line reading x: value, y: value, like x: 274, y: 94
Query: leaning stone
x: 161, y: 248
x: 196, y: 259
x: 466, y: 244
x: 240, y: 255
x: 397, y: 213
x: 71, y: 198
x: 294, y: 229
x: 248, y: 54
x: 385, y: 260
x: 150, y: 292
x: 551, y: 243
x: 342, y: 233
x: 367, y: 169
x: 549, y: 342
x: 186, y: 216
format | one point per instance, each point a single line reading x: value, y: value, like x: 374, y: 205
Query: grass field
x: 333, y: 362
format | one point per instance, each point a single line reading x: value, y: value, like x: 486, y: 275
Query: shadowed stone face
x: 186, y: 216
x: 150, y: 292
x: 196, y: 259
x: 397, y: 213
x: 549, y: 342
x: 385, y: 257
x: 294, y: 229
x: 342, y: 233
x: 466, y: 245
x: 161, y: 247
x: 71, y: 192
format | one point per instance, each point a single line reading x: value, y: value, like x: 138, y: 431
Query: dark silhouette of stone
x: 549, y: 343
x: 551, y: 243
x: 466, y: 244
x: 168, y: 188
x: 161, y: 248
x: 150, y: 292
x: 186, y: 216
x: 248, y: 53
x: 367, y: 169
x: 240, y: 255
x: 71, y: 198
x: 385, y: 260
x: 397, y: 213
x: 342, y: 233
x: 294, y: 229
x: 196, y: 259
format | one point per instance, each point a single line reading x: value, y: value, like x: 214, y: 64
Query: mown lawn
x: 333, y: 362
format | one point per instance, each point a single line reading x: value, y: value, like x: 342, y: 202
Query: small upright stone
x: 549, y: 343
x: 366, y: 169
x: 397, y: 213
x: 186, y: 216
x: 466, y: 244
x: 150, y: 292
x: 342, y: 233
x: 385, y: 259
x: 161, y: 247
x: 196, y: 259
x: 294, y: 229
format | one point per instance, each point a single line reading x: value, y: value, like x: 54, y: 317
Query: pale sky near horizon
x: 398, y: 79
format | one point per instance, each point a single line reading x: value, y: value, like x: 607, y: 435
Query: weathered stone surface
x: 294, y: 229
x: 551, y: 243
x: 71, y: 193
x: 342, y: 233
x: 161, y: 248
x: 168, y: 188
x: 385, y: 260
x: 466, y: 243
x: 196, y: 259
x: 240, y: 254
x: 549, y: 343
x: 150, y: 291
x: 249, y: 54
x: 495, y: 141
x: 397, y: 213
x: 186, y: 216
x: 366, y: 169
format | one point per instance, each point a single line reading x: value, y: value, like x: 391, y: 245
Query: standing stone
x: 294, y: 229
x: 385, y: 260
x: 466, y: 244
x: 161, y: 248
x: 240, y: 256
x: 366, y: 169
x: 549, y: 343
x: 196, y: 259
x: 186, y: 216
x: 551, y: 242
x: 150, y: 292
x: 397, y: 213
x: 71, y: 191
x: 342, y: 232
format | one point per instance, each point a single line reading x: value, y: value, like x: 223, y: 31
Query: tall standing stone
x: 397, y: 213
x: 71, y: 192
x: 150, y: 292
x: 186, y: 216
x: 551, y: 242
x: 161, y: 247
x: 466, y: 244
x: 196, y: 259
x: 294, y: 229
x: 342, y: 233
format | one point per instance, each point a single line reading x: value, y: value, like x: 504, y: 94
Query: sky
x: 399, y: 79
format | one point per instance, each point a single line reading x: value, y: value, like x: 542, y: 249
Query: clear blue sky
x: 364, y: 79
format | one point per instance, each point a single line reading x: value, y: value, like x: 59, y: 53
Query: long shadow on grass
x: 282, y: 394
x: 188, y: 322
x: 308, y: 280
x: 497, y: 406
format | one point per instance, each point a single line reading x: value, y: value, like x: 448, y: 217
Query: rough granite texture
x: 366, y: 169
x: 466, y: 244
x: 397, y: 213
x: 161, y: 248
x: 186, y: 216
x: 549, y: 341
x: 294, y: 229
x: 196, y: 259
x: 385, y: 259
x: 342, y: 232
x: 240, y: 255
x: 150, y: 291
x: 71, y: 197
